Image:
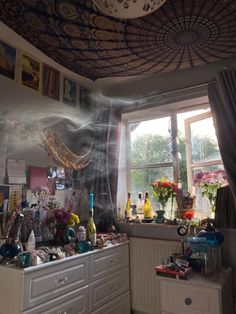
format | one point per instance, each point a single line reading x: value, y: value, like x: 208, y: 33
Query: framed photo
x: 7, y: 60
x: 30, y: 72
x: 51, y: 82
x: 69, y: 92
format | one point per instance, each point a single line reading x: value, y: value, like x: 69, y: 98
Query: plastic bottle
x: 91, y: 230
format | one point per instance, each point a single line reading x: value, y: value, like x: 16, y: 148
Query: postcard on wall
x: 10, y: 197
x: 51, y: 82
x: 3, y: 154
x: 30, y: 72
x: 7, y: 60
x: 69, y: 92
x: 16, y: 171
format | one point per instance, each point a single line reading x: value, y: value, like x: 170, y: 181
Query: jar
x: 81, y: 234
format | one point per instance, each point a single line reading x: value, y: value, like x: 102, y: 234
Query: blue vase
x: 160, y: 218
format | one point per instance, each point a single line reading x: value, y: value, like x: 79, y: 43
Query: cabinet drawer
x: 75, y: 302
x: 184, y: 298
x: 51, y: 282
x: 106, y: 262
x: 120, y: 305
x: 104, y: 290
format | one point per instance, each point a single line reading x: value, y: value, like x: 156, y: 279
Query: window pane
x: 207, y: 168
x: 150, y: 141
x: 203, y: 141
x: 141, y: 179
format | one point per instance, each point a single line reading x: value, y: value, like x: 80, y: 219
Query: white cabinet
x: 92, y: 282
x: 197, y: 294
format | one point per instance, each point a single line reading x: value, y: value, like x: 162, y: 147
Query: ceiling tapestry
x: 179, y: 35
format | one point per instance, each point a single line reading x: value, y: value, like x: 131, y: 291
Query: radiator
x: 145, y: 254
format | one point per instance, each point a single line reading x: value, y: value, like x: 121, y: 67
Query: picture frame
x: 51, y: 82
x: 7, y: 60
x: 30, y: 72
x: 69, y: 91
x: 85, y: 102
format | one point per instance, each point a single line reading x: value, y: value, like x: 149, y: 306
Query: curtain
x: 222, y: 98
x: 100, y: 176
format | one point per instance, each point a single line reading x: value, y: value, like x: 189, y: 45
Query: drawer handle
x: 62, y: 313
x: 114, y: 260
x: 61, y: 280
x: 188, y: 301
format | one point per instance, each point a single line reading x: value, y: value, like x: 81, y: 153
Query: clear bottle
x: 38, y: 227
x: 128, y: 209
x: 140, y: 205
x: 147, y: 208
x: 179, y: 194
x: 91, y: 231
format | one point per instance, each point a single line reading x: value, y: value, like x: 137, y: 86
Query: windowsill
x: 150, y: 230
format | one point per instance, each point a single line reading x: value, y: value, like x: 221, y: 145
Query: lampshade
x: 128, y: 9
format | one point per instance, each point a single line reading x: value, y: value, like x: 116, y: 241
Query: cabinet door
x: 56, y: 280
x: 120, y: 305
x: 75, y: 302
x: 108, y: 261
x: 104, y: 290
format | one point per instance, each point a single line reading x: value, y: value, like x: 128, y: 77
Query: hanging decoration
x: 128, y: 9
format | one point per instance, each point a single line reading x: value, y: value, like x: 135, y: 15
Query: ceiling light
x: 128, y: 9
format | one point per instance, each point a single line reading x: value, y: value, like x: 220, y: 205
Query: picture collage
x: 39, y: 76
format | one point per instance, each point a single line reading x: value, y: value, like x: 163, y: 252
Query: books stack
x: 166, y: 271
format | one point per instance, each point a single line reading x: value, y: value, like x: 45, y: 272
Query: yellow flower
x: 73, y: 220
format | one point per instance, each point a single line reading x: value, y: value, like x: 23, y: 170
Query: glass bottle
x: 82, y: 245
x: 91, y: 231
x: 140, y: 205
x: 128, y: 209
x: 38, y: 227
x: 179, y: 194
x: 147, y: 208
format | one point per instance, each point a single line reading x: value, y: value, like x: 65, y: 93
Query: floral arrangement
x: 209, y: 182
x: 164, y: 190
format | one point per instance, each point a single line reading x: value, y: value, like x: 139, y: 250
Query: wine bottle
x: 91, y: 231
x: 140, y: 204
x: 147, y: 208
x: 128, y: 209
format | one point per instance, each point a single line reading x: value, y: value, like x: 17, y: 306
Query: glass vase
x: 160, y: 217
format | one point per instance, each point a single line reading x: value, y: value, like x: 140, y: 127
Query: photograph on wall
x: 85, y: 102
x: 30, y: 72
x: 7, y: 60
x: 69, y: 92
x: 51, y: 82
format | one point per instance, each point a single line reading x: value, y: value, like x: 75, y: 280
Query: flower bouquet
x: 209, y: 182
x: 164, y: 190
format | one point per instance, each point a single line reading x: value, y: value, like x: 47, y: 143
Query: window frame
x: 190, y: 164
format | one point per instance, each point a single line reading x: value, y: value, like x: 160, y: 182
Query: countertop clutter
x: 50, y: 252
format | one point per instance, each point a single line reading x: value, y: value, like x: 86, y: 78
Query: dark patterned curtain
x: 100, y: 176
x: 222, y: 97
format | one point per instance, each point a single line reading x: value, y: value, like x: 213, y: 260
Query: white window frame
x: 142, y: 115
x: 190, y: 163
